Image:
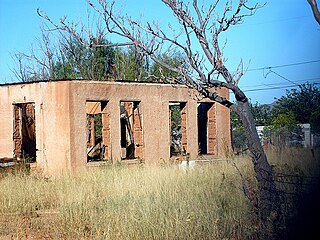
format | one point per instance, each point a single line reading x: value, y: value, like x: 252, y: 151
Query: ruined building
x: 63, y: 125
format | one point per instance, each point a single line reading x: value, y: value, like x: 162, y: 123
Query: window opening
x: 178, y: 128
x: 131, y: 130
x: 24, y: 132
x: 98, y: 131
x: 206, y: 128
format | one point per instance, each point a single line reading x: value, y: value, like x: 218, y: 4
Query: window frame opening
x: 178, y: 128
x: 131, y: 130
x: 98, y: 131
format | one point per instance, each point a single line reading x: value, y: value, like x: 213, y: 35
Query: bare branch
x: 150, y: 39
x: 315, y: 10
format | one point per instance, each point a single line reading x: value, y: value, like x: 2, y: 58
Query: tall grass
x: 303, y: 161
x: 117, y: 202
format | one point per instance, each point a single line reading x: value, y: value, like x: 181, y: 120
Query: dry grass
x: 304, y: 161
x: 137, y: 203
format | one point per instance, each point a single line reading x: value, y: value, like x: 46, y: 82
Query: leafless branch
x: 315, y: 10
x: 150, y: 39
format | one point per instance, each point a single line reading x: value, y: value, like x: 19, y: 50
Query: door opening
x: 206, y: 128
x: 24, y: 132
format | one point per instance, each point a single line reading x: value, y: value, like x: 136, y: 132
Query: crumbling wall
x: 152, y: 140
x: 47, y: 104
x: 138, y: 132
x: 223, y: 127
x: 212, y: 133
x: 61, y: 121
x: 184, y: 135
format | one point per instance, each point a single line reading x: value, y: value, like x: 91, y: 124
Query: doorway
x: 24, y: 131
x: 206, y: 128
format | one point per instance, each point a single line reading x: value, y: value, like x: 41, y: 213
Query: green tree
x: 285, y: 130
x: 131, y: 65
x: 261, y: 114
x: 161, y: 73
x: 287, y: 120
x: 301, y: 101
x: 315, y: 121
x: 76, y: 61
x: 98, y: 59
x: 67, y: 59
x: 262, y: 117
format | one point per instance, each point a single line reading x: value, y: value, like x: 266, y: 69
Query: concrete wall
x: 61, y: 119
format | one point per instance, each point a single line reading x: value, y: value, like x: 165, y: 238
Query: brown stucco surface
x: 60, y: 113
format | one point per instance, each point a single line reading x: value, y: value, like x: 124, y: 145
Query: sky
x: 279, y: 45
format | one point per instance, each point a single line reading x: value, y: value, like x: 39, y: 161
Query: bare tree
x: 37, y: 64
x: 62, y: 56
x: 203, y: 67
x: 315, y: 10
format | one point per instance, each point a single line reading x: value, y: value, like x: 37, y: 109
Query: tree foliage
x: 315, y: 121
x: 301, y: 102
x: 282, y: 119
x: 130, y: 65
x: 158, y: 72
x: 285, y: 130
x: 70, y: 59
x: 76, y: 61
x: 262, y: 117
x: 261, y: 114
x: 66, y: 59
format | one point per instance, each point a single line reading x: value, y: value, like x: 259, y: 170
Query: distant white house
x: 308, y: 138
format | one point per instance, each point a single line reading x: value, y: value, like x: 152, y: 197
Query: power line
x: 279, y: 75
x: 300, y: 81
x: 284, y: 65
x: 273, y: 88
x: 270, y: 21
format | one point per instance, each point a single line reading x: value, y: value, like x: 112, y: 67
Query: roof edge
x: 93, y: 81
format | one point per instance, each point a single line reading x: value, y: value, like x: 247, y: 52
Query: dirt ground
x: 36, y: 225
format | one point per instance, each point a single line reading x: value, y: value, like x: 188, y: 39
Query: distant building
x: 305, y: 139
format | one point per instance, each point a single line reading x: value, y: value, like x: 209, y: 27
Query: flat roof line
x: 93, y: 81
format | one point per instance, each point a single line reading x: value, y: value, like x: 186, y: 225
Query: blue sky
x: 283, y: 35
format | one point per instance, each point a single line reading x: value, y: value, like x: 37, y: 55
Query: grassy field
x: 117, y: 202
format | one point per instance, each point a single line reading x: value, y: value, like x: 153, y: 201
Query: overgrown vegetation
x: 300, y: 105
x: 214, y: 201
x: 64, y: 57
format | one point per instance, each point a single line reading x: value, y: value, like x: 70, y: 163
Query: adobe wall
x: 223, y: 127
x: 51, y: 101
x: 61, y: 119
x: 154, y: 105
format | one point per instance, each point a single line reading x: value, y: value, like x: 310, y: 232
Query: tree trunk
x: 267, y: 199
